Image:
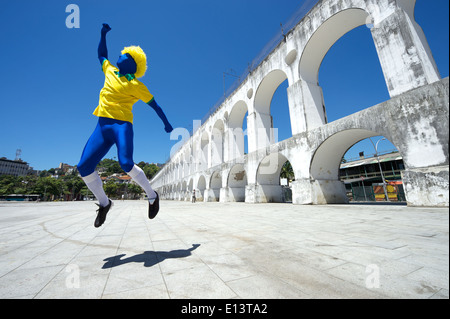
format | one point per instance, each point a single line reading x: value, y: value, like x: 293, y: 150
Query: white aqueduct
x: 213, y: 163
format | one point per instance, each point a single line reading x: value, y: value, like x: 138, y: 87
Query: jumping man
x: 121, y: 91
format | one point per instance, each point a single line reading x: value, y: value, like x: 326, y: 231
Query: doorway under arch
x: 215, y: 185
x: 268, y: 183
x: 326, y: 165
x: 237, y: 181
x: 200, y: 189
x: 372, y: 171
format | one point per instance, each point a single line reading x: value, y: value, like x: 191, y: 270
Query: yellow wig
x: 139, y: 57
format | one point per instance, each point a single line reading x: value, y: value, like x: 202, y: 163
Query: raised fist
x: 168, y: 128
x: 106, y: 28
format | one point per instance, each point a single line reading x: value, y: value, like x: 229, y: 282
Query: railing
x: 372, y: 175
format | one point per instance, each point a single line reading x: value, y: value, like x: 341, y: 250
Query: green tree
x: 150, y: 170
x: 48, y: 186
x: 134, y: 190
x: 73, y: 184
x: 8, y: 184
x: 287, y: 172
x: 110, y: 166
x: 44, y: 173
x: 111, y: 189
x: 30, y: 183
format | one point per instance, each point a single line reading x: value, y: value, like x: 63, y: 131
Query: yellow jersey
x: 119, y: 94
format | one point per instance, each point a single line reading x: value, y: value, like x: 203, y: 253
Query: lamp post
x: 375, y: 146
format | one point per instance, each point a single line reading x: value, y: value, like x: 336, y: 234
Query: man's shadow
x: 148, y: 258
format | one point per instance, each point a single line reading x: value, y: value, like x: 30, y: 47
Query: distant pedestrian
x: 193, y: 196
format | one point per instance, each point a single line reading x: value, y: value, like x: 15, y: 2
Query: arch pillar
x: 252, y: 168
x: 234, y: 144
x: 213, y: 188
x: 228, y: 144
x: 200, y: 187
x: 318, y: 192
x: 259, y: 131
x: 404, y: 53
x: 306, y: 106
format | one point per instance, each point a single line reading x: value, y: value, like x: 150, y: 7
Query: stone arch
x: 236, y: 182
x: 261, y: 130
x: 268, y: 178
x: 267, y: 89
x: 175, y: 171
x: 217, y: 143
x: 225, y: 117
x: 174, y: 191
x: 187, y: 161
x: 318, y: 45
x: 179, y: 170
x: 327, y: 157
x: 166, y: 192
x: 237, y: 114
x: 201, y: 187
x: 236, y: 135
x: 192, y: 164
x: 196, y: 154
x: 215, y: 184
x: 204, y: 153
x: 326, y: 161
x: 183, y: 190
x: 178, y: 191
x: 366, y: 86
x: 326, y: 35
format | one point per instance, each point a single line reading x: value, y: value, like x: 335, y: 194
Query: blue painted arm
x: 102, y: 49
x: 167, y: 127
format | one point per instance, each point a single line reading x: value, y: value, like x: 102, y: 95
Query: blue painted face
x: 126, y: 64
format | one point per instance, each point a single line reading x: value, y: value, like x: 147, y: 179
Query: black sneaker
x: 153, y: 209
x: 101, y: 216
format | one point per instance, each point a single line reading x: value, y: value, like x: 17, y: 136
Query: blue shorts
x: 107, y: 133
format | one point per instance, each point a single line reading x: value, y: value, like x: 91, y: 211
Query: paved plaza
x: 223, y: 250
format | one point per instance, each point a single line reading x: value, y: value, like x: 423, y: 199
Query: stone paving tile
x: 262, y: 286
x: 197, y: 282
x: 225, y: 251
x: 150, y: 292
x: 27, y: 282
